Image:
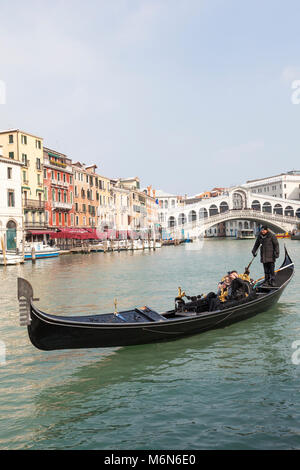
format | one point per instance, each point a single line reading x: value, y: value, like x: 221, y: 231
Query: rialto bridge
x: 238, y: 203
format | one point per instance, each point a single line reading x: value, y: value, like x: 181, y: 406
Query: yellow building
x: 92, y: 196
x: 28, y: 149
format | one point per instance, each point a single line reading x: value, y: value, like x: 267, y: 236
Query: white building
x: 284, y: 186
x: 11, y: 215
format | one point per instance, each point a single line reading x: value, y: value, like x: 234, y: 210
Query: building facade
x: 27, y: 148
x: 11, y: 211
x: 87, y: 195
x: 283, y: 186
x: 59, y: 190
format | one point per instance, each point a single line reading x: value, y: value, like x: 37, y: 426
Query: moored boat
x: 10, y: 259
x: 295, y: 235
x: 144, y: 325
x: 245, y: 234
x: 41, y: 250
x: 283, y: 235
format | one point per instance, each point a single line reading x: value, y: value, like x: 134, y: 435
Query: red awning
x: 73, y: 233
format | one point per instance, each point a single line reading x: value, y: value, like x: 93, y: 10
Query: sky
x: 186, y: 94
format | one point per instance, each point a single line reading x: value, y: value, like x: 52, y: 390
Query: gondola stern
x: 287, y: 259
x: 25, y: 297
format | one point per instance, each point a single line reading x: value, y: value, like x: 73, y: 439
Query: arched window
x: 224, y: 207
x: 289, y: 211
x: 267, y: 207
x: 278, y: 209
x: 182, y: 219
x: 171, y: 222
x: 203, y: 213
x: 213, y: 210
x: 256, y: 205
x: 192, y: 216
x: 237, y: 201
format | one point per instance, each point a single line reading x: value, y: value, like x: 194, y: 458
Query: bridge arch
x: 278, y: 209
x: 256, y: 205
x: 182, y: 219
x: 172, y: 222
x: 203, y: 214
x: 224, y: 207
x: 266, y: 207
x: 289, y: 211
x: 192, y: 217
x: 213, y: 210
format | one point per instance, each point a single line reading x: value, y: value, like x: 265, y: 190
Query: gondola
x: 144, y: 325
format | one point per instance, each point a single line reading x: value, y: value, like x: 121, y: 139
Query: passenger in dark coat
x: 269, y: 251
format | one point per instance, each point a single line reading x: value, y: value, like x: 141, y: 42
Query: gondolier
x: 269, y: 252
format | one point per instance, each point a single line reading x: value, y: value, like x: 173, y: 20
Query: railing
x: 206, y: 222
x: 62, y: 205
x: 34, y: 225
x: 64, y: 184
x: 33, y: 204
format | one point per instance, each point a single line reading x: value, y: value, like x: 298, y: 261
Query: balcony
x: 62, y: 205
x: 34, y: 225
x: 58, y: 164
x: 60, y: 183
x: 33, y: 204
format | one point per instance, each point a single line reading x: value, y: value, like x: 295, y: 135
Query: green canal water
x: 233, y: 388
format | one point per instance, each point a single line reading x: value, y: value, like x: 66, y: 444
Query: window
x: 45, y: 173
x: 10, y: 139
x: 66, y: 218
x: 58, y: 176
x: 24, y: 139
x: 59, y: 218
x: 10, y: 198
x: 65, y: 196
x: 38, y: 163
x: 38, y: 179
x: 53, y: 194
x: 53, y: 219
x: 38, y: 144
x: 46, y: 194
x: 9, y: 173
x: 71, y: 197
x: 24, y: 177
x: 24, y: 159
x: 71, y: 179
x: 11, y: 155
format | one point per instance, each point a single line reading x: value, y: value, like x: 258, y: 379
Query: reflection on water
x: 230, y: 388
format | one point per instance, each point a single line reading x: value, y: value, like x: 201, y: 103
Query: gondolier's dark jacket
x: 269, y: 247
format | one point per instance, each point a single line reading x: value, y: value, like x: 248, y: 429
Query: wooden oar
x: 247, y: 267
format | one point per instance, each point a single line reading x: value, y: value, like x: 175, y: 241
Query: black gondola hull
x: 48, y: 332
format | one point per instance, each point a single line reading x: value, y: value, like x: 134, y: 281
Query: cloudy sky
x: 185, y: 94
